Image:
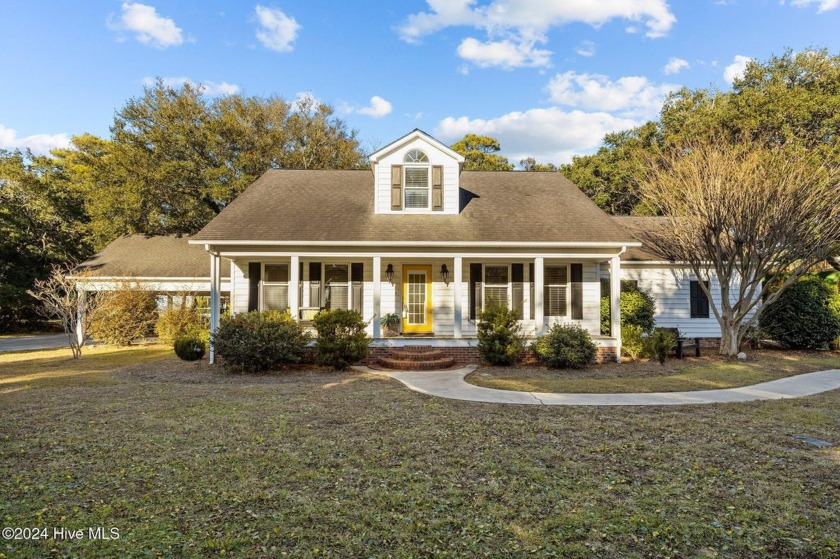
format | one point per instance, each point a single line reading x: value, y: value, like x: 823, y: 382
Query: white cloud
x: 210, y: 88
x: 527, y: 18
x: 378, y: 108
x: 822, y: 5
x: 737, y: 68
x: 505, y: 54
x: 586, y: 48
x: 629, y: 96
x: 147, y: 26
x: 549, y: 135
x: 676, y: 65
x: 277, y: 31
x: 39, y: 143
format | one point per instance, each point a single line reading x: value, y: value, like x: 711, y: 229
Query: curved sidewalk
x: 451, y: 384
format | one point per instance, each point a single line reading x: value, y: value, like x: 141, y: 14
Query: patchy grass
x: 704, y: 373
x: 186, y: 461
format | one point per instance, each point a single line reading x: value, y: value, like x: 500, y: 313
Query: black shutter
x: 577, y: 291
x: 517, y: 273
x: 531, y: 288
x: 254, y: 276
x: 300, y: 286
x: 699, y: 301
x: 314, y: 284
x: 475, y: 290
x: 357, y: 274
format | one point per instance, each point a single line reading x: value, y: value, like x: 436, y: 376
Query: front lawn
x: 705, y: 373
x: 185, y: 461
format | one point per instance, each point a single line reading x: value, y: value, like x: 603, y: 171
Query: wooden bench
x: 684, y: 343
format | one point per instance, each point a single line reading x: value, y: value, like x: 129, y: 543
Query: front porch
x: 436, y: 297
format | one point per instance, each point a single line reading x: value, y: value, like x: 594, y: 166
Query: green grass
x: 705, y: 373
x: 189, y: 462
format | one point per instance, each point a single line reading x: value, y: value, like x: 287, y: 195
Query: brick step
x: 411, y: 365
x: 414, y: 355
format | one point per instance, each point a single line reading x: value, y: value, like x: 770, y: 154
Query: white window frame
x: 484, y: 284
x: 348, y: 283
x: 263, y: 282
x: 566, y: 317
x: 427, y: 165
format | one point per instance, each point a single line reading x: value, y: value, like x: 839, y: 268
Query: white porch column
x: 294, y: 287
x: 539, y: 293
x: 377, y: 296
x: 615, y: 304
x: 215, y: 296
x: 458, y: 272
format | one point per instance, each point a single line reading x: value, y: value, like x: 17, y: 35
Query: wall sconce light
x: 444, y: 273
x: 389, y: 273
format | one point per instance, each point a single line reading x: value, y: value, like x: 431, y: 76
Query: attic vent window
x: 416, y: 180
x: 416, y: 156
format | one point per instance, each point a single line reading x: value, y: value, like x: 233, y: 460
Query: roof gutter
x: 426, y: 244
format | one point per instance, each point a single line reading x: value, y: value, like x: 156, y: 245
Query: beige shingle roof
x: 310, y: 205
x: 167, y: 256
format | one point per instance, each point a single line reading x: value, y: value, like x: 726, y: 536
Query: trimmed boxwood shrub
x: 566, y: 346
x: 805, y: 316
x: 178, y: 322
x: 341, y: 340
x: 637, y: 308
x: 499, y: 335
x: 254, y: 341
x: 190, y: 347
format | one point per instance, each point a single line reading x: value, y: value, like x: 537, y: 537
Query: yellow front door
x: 417, y: 299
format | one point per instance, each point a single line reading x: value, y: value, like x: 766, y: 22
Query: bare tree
x: 743, y: 213
x: 63, y: 298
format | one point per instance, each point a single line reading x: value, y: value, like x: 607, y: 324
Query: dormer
x: 416, y: 175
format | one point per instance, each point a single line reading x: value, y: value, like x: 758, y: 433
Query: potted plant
x: 391, y: 324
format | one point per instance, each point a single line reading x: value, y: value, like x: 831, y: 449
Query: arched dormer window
x: 416, y: 179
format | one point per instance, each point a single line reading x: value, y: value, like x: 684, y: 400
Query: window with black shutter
x: 699, y: 301
x: 254, y: 277
x: 475, y: 290
x: 357, y: 272
x: 577, y: 291
x: 314, y: 284
x: 517, y: 276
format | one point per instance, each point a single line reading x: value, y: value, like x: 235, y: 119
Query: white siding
x: 382, y: 177
x: 669, y: 286
x: 239, y: 286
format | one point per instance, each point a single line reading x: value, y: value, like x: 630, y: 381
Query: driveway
x: 26, y: 343
x: 451, y: 384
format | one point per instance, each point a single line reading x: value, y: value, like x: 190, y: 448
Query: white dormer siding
x: 399, y: 165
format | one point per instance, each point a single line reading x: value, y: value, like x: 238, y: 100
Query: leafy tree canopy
x: 176, y: 158
x: 789, y: 100
x: 480, y: 153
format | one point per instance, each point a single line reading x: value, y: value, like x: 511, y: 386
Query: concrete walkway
x: 451, y: 384
x: 37, y: 341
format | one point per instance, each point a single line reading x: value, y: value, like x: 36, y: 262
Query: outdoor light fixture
x: 389, y: 273
x: 444, y: 273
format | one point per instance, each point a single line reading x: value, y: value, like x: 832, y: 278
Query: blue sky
x: 546, y: 77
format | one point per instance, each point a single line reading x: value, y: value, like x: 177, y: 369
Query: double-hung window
x: 336, y: 286
x: 556, y: 290
x: 496, y: 286
x: 416, y: 169
x: 275, y: 287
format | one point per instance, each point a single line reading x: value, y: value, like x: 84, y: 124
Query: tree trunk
x: 730, y: 342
